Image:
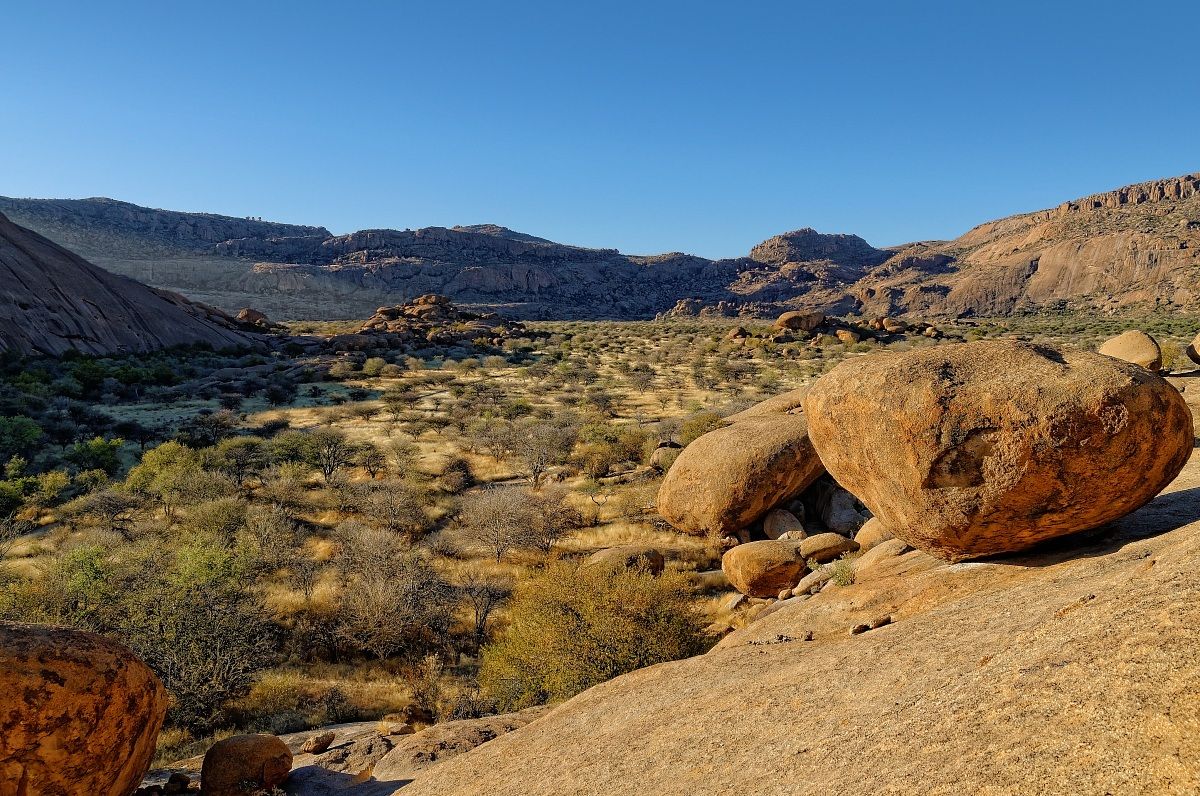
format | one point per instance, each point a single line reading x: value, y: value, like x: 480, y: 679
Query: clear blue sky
x: 649, y: 126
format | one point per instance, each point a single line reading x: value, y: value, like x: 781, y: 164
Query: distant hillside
x: 1136, y: 246
x: 53, y: 301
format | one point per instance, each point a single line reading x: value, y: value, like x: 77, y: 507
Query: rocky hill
x: 1136, y: 246
x: 53, y: 301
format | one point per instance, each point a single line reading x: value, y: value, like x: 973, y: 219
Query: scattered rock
x: 994, y: 446
x: 834, y: 506
x: 318, y: 743
x: 763, y: 569
x: 848, y: 336
x: 812, y: 582
x: 1135, y: 346
x: 262, y: 761
x: 629, y: 556
x: 781, y: 521
x: 826, y: 546
x: 872, y: 533
x: 730, y: 477
x: 81, y: 713
x: 880, y: 552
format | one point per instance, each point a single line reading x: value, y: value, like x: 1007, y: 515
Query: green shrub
x: 574, y: 627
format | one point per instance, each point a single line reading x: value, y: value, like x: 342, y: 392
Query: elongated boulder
x: 80, y: 713
x: 730, y: 477
x: 975, y: 449
x: 1135, y: 346
x: 763, y: 569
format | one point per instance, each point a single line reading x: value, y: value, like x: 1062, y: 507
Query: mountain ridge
x: 1133, y: 246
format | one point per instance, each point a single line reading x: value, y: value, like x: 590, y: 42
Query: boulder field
x: 1075, y: 670
x: 974, y: 449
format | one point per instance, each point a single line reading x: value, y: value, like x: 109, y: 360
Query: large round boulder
x: 232, y: 764
x: 800, y: 321
x: 81, y: 713
x: 974, y: 449
x: 628, y: 556
x: 763, y: 569
x: 728, y: 478
x: 1134, y: 346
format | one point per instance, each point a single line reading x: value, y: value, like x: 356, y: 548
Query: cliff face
x: 1135, y: 246
x: 53, y: 301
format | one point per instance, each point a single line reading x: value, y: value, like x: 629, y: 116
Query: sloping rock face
x: 975, y: 449
x: 1075, y: 671
x: 53, y: 301
x: 730, y: 477
x: 81, y: 713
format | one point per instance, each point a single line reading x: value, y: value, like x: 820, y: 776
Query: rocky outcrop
x: 81, y: 713
x: 426, y: 320
x: 53, y: 301
x: 974, y: 449
x: 951, y: 696
x: 729, y: 478
x: 1136, y: 246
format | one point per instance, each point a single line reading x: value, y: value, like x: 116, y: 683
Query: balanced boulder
x: 974, y: 449
x: 728, y: 478
x: 1136, y: 347
x: 233, y: 765
x: 763, y: 569
x: 826, y: 547
x: 80, y: 713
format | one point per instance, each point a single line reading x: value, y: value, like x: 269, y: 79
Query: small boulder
x: 262, y: 761
x: 1135, y: 346
x: 973, y: 449
x: 894, y: 325
x: 826, y: 546
x: 81, y: 713
x: 1193, y: 349
x: 781, y: 521
x: 812, y: 582
x: 848, y: 336
x: 318, y: 743
x: 880, y: 552
x: 763, y: 569
x: 872, y: 533
x: 629, y: 556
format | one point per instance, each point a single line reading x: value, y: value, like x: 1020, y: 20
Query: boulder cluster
x: 963, y: 450
x: 426, y: 320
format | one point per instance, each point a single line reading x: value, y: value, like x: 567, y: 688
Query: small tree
x: 329, y: 451
x: 496, y: 520
x: 575, y: 627
x: 483, y: 592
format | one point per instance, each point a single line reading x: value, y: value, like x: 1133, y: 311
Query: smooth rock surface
x: 763, y: 569
x: 974, y: 449
x: 261, y: 760
x: 1134, y: 346
x: 728, y: 478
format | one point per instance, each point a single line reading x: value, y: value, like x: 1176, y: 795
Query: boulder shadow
x: 316, y: 781
x: 1167, y: 512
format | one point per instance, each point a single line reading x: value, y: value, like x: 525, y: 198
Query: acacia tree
x: 329, y: 451
x: 541, y: 444
x: 484, y: 592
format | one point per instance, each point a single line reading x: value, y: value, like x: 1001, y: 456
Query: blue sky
x: 649, y: 126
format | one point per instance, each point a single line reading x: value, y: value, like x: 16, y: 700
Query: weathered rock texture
x: 1075, y: 672
x: 52, y: 301
x: 1136, y: 246
x: 262, y: 761
x: 80, y: 713
x: 732, y: 476
x: 974, y: 449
